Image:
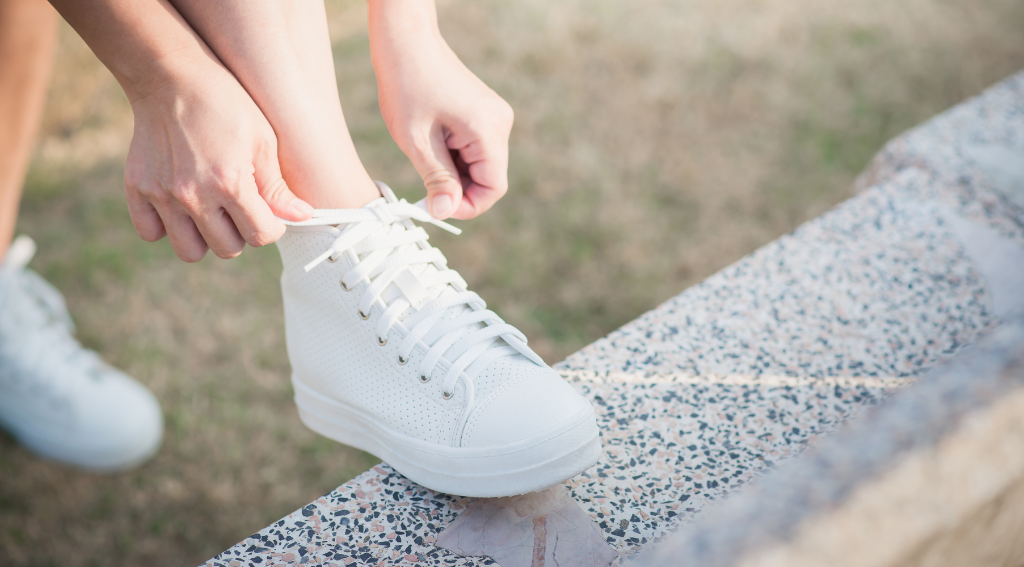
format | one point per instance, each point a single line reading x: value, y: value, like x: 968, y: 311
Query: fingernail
x: 440, y: 206
x: 302, y: 208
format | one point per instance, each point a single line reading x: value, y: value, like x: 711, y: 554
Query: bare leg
x: 28, y: 32
x: 281, y: 53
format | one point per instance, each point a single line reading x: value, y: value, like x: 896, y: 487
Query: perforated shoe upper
x: 375, y: 319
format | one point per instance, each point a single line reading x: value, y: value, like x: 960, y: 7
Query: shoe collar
x: 19, y: 254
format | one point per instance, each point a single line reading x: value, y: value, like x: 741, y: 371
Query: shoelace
x: 50, y: 344
x: 19, y: 254
x: 389, y: 249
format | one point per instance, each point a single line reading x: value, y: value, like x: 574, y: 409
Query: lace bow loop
x: 381, y: 214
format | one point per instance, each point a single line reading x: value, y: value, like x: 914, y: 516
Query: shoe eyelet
x: 345, y: 287
x: 363, y: 315
x: 381, y: 341
x: 332, y: 259
x: 401, y: 360
x: 424, y: 378
x: 447, y: 395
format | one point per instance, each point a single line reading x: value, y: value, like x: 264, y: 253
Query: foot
x: 392, y: 354
x: 57, y: 398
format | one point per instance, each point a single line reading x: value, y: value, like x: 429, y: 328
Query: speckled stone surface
x: 708, y: 391
x: 879, y: 286
x: 975, y: 153
x: 810, y: 488
x: 545, y: 527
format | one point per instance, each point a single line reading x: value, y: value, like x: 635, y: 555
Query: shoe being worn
x: 391, y: 354
x: 57, y: 398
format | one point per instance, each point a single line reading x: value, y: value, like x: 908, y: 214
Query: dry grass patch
x: 655, y: 143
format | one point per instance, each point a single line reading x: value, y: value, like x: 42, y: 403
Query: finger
x: 477, y: 200
x: 275, y: 191
x: 252, y: 216
x: 144, y: 217
x: 220, y: 233
x: 209, y: 218
x: 485, y: 166
x: 432, y: 160
x: 185, y: 237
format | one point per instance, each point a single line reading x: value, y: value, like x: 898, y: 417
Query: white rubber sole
x: 114, y: 451
x: 526, y: 466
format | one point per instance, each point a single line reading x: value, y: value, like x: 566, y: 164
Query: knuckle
x: 473, y: 213
x: 267, y: 144
x: 150, y: 233
x: 438, y: 178
x: 483, y: 208
x: 224, y: 181
x: 274, y: 190
x: 148, y: 189
x: 419, y: 144
x: 192, y: 254
x: 475, y: 151
x: 133, y: 181
x: 506, y: 114
x: 136, y: 173
x: 229, y: 253
x: 257, y: 237
x: 184, y: 190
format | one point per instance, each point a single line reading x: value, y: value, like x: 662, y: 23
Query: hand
x: 203, y: 168
x: 452, y: 127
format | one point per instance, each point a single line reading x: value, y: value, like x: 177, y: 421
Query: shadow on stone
x: 532, y: 530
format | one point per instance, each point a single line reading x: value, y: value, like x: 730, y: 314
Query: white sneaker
x: 391, y: 354
x: 57, y: 398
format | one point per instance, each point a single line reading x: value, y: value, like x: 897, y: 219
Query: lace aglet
x: 319, y: 260
x: 450, y: 228
x: 422, y: 205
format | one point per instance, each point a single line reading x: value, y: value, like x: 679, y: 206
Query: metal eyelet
x: 401, y: 360
x: 381, y: 341
x: 332, y: 259
x: 345, y: 287
x: 424, y: 378
x: 447, y: 395
x: 363, y: 315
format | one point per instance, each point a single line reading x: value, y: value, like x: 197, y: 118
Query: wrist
x: 402, y: 28
x: 170, y: 71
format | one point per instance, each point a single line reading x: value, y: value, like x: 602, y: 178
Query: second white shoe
x: 392, y: 354
x: 57, y: 398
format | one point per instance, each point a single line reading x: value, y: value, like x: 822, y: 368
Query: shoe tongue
x: 377, y: 202
x: 18, y: 254
x: 386, y: 193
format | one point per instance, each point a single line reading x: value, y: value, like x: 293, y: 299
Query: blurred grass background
x: 655, y: 143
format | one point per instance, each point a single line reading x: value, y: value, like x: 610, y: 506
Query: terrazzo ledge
x: 713, y: 393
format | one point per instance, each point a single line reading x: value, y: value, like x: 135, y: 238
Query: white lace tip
x: 422, y: 205
x: 319, y: 260
x: 450, y: 228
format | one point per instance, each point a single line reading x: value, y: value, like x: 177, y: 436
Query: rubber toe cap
x: 538, y: 405
x: 117, y: 425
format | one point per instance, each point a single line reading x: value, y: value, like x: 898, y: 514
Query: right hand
x: 203, y: 168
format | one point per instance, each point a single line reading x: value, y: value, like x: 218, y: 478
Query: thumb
x: 440, y: 177
x: 278, y: 196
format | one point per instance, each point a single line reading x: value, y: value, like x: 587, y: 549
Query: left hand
x: 451, y: 125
